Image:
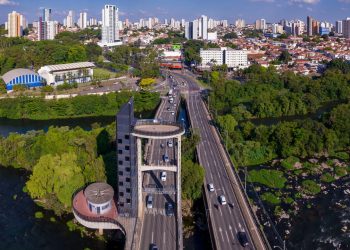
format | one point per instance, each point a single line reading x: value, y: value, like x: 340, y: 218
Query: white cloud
x: 305, y: 1
x: 344, y: 1
x: 7, y: 2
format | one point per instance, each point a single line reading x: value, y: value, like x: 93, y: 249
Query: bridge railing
x: 100, y: 219
x: 157, y: 133
x: 240, y: 185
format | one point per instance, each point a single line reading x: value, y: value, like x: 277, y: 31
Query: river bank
x: 20, y: 227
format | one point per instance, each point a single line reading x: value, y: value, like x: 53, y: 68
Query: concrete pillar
x: 178, y: 193
x: 139, y: 177
x: 100, y: 231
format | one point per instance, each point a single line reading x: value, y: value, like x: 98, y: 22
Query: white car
x: 211, y: 187
x: 163, y: 176
x: 150, y: 201
x: 172, y: 113
x: 222, y: 200
x: 170, y: 144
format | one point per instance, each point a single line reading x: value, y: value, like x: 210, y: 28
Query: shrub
x: 270, y: 198
x: 311, y: 187
x: 39, y: 215
x: 269, y: 178
x: 327, y: 177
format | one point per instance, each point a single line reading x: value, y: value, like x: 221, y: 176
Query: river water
x: 315, y: 228
x: 21, y: 230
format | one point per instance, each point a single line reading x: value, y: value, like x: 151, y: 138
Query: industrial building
x: 22, y: 77
x: 80, y: 72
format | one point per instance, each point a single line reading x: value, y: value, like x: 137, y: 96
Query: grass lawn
x: 103, y: 74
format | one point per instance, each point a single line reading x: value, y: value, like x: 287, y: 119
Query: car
x: 211, y: 187
x: 153, y: 247
x: 162, y: 145
x: 222, y: 200
x: 149, y: 201
x: 243, y: 239
x: 170, y: 144
x: 169, y: 209
x: 163, y: 176
x: 168, y: 108
x: 172, y: 113
x: 166, y: 158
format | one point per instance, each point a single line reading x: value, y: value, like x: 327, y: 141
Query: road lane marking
x: 152, y: 236
x: 220, y: 230
x: 233, y: 237
x: 228, y: 239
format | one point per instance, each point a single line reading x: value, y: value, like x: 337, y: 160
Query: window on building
x: 121, y: 183
x: 120, y: 162
x: 128, y: 169
x: 128, y: 201
x: 128, y: 190
x: 127, y: 158
x: 120, y: 173
x: 121, y: 194
x: 120, y: 151
x: 128, y: 180
x: 120, y: 141
x: 127, y: 137
x: 127, y: 147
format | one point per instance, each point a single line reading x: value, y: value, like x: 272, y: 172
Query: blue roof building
x: 22, y: 76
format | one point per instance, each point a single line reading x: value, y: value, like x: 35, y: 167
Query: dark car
x: 169, y: 209
x: 243, y: 239
x: 153, y: 247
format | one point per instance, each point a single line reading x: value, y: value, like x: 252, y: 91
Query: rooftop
x: 16, y: 73
x: 99, y: 193
x: 70, y: 66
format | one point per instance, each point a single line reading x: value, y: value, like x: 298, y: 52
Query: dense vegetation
x: 273, y: 152
x: 192, y: 173
x: 22, y: 53
x: 80, y: 106
x: 173, y: 37
x: 265, y: 93
x: 61, y: 161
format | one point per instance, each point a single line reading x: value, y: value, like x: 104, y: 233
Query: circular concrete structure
x: 99, y: 197
x: 155, y: 129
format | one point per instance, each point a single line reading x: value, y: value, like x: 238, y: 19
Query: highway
x: 226, y: 220
x: 158, y: 228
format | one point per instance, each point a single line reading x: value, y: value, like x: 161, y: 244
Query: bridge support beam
x: 178, y: 195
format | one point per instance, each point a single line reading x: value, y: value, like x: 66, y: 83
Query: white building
x: 195, y: 26
x: 220, y: 56
x: 240, y: 23
x: 260, y: 24
x: 204, y: 27
x: 71, y: 73
x: 69, y: 21
x: 110, y: 31
x: 212, y: 36
x: 82, y: 22
x: 46, y: 15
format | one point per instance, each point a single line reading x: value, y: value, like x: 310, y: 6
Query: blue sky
x: 272, y: 10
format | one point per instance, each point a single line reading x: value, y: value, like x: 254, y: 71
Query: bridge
x: 142, y: 146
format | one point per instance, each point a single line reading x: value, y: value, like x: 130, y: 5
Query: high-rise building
x: 339, y: 27
x: 220, y: 56
x: 15, y: 24
x: 46, y: 15
x: 260, y: 24
x: 188, y: 30
x: 204, y: 27
x: 82, y: 22
x: 69, y: 20
x: 240, y: 23
x: 309, y: 26
x: 277, y: 28
x: 110, y: 31
x: 346, y: 28
x: 195, y: 27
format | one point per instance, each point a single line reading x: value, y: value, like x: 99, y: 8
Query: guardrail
x: 240, y: 185
x: 100, y: 219
x: 205, y: 197
x: 157, y: 123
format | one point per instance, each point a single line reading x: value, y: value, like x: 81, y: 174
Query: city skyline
x: 250, y: 10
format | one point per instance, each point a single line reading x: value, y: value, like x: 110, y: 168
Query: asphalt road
x: 227, y: 220
x: 158, y: 228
